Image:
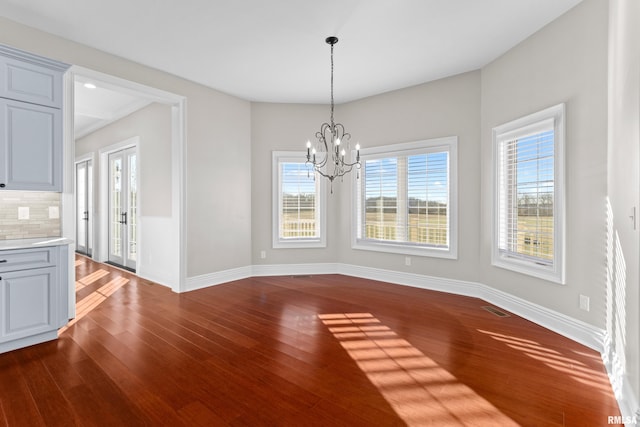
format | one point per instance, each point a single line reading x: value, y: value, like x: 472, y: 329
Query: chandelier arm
x: 330, y: 177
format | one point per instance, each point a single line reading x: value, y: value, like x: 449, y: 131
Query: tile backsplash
x: 41, y: 208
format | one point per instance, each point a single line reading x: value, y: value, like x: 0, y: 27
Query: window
x: 406, y: 199
x: 529, y: 195
x: 298, y: 203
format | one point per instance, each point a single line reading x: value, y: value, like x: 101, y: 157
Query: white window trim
x: 449, y: 144
x: 555, y: 272
x: 278, y: 243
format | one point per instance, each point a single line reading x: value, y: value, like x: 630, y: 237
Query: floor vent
x: 495, y: 311
x: 301, y: 276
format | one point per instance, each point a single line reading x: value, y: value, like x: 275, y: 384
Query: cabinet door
x: 31, y: 147
x: 29, y: 303
x: 26, y: 81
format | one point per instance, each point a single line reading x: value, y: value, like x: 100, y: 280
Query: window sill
x: 405, y: 249
x: 299, y: 244
x: 529, y: 268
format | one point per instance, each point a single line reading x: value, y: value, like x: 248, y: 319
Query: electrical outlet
x: 584, y: 302
x: 407, y: 260
x: 263, y: 254
x: 54, y: 212
x: 23, y: 212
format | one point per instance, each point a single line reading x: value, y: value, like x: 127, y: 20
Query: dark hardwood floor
x: 297, y: 351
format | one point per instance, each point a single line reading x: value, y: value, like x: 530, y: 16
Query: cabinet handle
x: 2, y: 185
x: 2, y: 260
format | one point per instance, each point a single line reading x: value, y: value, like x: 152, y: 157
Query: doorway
x: 160, y: 253
x: 84, y: 207
x: 123, y: 208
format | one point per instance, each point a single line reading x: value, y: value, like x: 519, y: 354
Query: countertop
x: 33, y: 243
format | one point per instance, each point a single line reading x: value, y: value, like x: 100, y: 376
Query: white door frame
x: 176, y: 276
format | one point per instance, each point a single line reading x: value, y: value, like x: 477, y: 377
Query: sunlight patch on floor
x: 94, y: 299
x: 414, y: 385
x: 575, y: 369
x: 93, y: 277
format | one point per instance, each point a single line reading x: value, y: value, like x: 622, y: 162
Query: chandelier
x: 330, y: 154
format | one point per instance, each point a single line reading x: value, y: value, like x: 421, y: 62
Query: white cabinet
x: 32, y: 146
x: 33, y: 295
x: 30, y: 78
x: 30, y: 121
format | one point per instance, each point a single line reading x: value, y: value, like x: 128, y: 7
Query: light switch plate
x: 584, y: 302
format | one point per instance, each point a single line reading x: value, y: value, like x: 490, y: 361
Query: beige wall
x: 285, y: 127
x: 152, y: 125
x: 447, y: 107
x: 218, y: 136
x: 564, y: 62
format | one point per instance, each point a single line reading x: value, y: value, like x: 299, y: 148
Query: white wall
x: 564, y: 62
x: 152, y: 127
x: 218, y: 136
x: 623, y: 297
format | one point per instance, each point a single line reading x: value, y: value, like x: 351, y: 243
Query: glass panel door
x: 132, y: 204
x: 84, y: 207
x: 123, y: 208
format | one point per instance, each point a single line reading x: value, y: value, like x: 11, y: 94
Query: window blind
x: 428, y: 199
x: 526, y: 192
x: 406, y: 199
x: 298, y: 213
x: 381, y: 199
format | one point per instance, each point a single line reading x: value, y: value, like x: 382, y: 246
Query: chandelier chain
x: 332, y: 122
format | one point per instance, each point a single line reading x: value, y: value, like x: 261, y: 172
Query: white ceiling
x: 97, y: 107
x: 274, y: 51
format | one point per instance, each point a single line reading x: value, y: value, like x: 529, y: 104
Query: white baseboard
x: 629, y: 405
x: 153, y: 278
x: 569, y: 327
x: 294, y: 269
x: 217, y: 278
x: 562, y: 324
x: 627, y: 400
